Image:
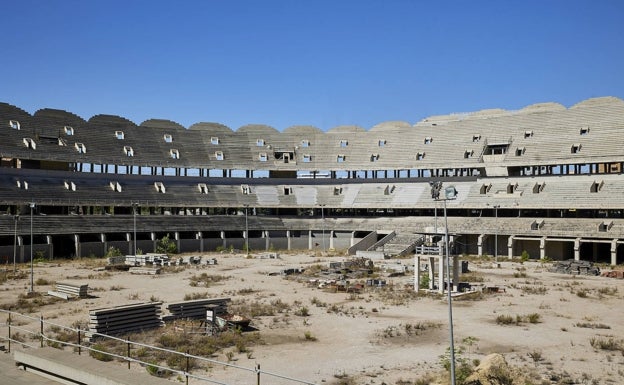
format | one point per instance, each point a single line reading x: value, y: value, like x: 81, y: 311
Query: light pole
x: 16, y: 218
x: 450, y: 193
x: 323, y: 225
x: 32, y: 282
x: 246, y: 231
x: 496, y: 233
x: 134, y: 215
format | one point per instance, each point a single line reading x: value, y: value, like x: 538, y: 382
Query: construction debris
x: 68, y: 290
x: 575, y: 267
x: 126, y: 318
x: 619, y: 274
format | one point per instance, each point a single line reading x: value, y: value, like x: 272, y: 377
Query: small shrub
x: 100, y: 353
x: 303, y: 311
x: 504, y: 319
x: 533, y: 318
x: 308, y: 336
x: 606, y: 343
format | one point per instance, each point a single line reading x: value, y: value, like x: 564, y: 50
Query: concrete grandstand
x: 544, y: 179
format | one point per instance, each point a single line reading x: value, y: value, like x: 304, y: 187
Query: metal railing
x: 35, y: 336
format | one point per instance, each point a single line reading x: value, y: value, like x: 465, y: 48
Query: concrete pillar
x: 542, y: 247
x: 104, y: 243
x: 352, y: 242
x: 77, y: 247
x: 430, y: 268
x: 416, y: 273
x: 223, y: 239
x: 577, y: 249
x: 288, y: 240
x: 480, y: 244
x: 154, y: 240
x: 614, y: 252
x: 331, y: 240
x: 176, y: 235
x: 20, y: 249
x: 50, y: 246
x: 510, y: 244
x: 310, y: 241
x: 200, y: 237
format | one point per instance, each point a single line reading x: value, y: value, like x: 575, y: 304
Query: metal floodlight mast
x: 32, y: 272
x: 16, y: 218
x: 134, y: 214
x: 450, y: 193
x: 246, y: 231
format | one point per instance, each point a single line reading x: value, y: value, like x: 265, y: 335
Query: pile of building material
x: 196, y: 309
x: 575, y: 267
x: 144, y: 270
x: 67, y: 290
x: 613, y: 274
x: 149, y: 259
x: 125, y: 318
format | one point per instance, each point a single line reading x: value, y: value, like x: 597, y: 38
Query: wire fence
x: 22, y: 331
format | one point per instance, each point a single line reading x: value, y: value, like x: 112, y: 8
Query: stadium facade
x: 544, y: 179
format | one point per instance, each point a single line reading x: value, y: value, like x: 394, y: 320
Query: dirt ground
x: 556, y: 327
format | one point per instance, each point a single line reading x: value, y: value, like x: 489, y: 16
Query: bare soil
x: 381, y: 334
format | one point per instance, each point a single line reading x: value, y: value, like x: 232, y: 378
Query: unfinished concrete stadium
x: 545, y: 181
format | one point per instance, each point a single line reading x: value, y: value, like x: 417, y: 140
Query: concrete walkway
x: 12, y: 375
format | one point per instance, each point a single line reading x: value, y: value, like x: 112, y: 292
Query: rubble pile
x: 575, y: 267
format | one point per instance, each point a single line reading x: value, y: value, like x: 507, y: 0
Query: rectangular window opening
x: 14, y: 124
x: 575, y: 149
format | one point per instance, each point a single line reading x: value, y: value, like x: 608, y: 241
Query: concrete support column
x: 288, y: 240
x: 77, y: 247
x: 510, y: 244
x: 310, y: 243
x: 352, y: 241
x: 543, y: 248
x: 430, y: 271
x: 480, y: 244
x: 613, y: 252
x: 20, y: 249
x: 331, y: 240
x: 577, y: 249
x: 223, y: 239
x: 416, y: 273
x: 200, y: 237
x: 177, y: 239
x: 50, y: 246
x: 267, y: 240
x: 104, y: 243
x: 153, y: 239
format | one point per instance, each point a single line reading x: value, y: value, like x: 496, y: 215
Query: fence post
x: 79, y: 343
x: 9, y: 324
x: 187, y: 366
x: 128, y: 341
x: 41, y: 331
x: 258, y: 374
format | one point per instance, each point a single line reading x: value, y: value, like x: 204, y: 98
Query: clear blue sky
x: 315, y: 62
